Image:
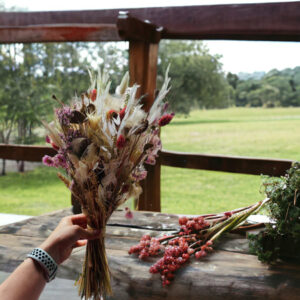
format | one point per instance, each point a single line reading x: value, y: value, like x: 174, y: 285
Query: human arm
x: 28, y: 280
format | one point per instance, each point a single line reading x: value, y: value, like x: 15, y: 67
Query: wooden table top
x: 230, y: 272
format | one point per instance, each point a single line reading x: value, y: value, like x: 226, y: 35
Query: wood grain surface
x: 228, y: 273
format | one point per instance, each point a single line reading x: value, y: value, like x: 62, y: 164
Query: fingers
x: 87, y: 233
x: 80, y: 243
x: 75, y: 220
x: 79, y: 220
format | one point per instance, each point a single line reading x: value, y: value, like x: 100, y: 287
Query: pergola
x: 230, y: 273
x: 144, y: 28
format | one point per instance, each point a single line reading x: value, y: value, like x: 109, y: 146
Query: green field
x: 237, y: 131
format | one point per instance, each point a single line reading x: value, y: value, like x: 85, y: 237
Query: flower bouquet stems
x: 103, y: 141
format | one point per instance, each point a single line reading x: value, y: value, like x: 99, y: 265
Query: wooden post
x: 143, y: 51
x: 142, y: 68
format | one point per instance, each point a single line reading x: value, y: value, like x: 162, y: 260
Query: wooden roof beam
x: 258, y: 21
x: 59, y: 33
x: 127, y: 28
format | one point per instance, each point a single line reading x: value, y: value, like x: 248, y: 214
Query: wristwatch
x: 45, y: 261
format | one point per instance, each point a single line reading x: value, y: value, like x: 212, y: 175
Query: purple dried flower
x: 70, y: 136
x: 48, y: 161
x: 60, y: 161
x: 64, y: 114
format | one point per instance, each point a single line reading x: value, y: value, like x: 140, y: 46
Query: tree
x: 8, y: 106
x: 197, y: 77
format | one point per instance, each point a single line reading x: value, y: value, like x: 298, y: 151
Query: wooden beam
x: 259, y: 21
x: 25, y: 152
x: 142, y: 68
x: 234, y: 164
x: 59, y: 33
x: 133, y: 29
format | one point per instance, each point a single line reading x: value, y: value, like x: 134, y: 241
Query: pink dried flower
x: 128, y: 214
x: 150, y: 160
x: 48, y: 161
x: 60, y: 161
x: 165, y: 119
x: 140, y: 175
x: 121, y: 141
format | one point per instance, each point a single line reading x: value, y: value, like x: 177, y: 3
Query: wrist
x: 45, y: 261
x: 51, y: 251
x: 37, y: 267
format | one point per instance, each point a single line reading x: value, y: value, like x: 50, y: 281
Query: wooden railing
x: 267, y: 21
x: 232, y: 164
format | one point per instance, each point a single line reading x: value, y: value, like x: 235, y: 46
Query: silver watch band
x: 45, y: 261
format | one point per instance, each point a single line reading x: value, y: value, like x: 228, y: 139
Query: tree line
x: 273, y: 89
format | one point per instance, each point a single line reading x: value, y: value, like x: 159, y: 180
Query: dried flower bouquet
x: 103, y: 141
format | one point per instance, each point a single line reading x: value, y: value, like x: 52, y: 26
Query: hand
x: 70, y: 233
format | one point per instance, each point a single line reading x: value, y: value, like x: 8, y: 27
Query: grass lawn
x: 236, y: 131
x: 33, y: 193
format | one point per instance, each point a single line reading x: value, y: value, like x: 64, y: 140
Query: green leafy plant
x: 281, y: 239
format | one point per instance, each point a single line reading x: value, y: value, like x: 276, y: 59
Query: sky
x: 237, y: 56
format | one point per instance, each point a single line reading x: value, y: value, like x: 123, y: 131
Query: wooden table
x: 228, y: 273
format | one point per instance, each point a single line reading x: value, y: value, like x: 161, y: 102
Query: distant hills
x: 255, y: 75
x: 271, y: 89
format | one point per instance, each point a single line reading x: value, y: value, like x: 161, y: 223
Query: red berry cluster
x: 179, y: 247
x: 147, y: 247
x: 204, y: 249
x: 176, y: 254
x: 188, y: 226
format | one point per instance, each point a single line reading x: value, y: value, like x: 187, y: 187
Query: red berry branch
x: 195, y: 237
